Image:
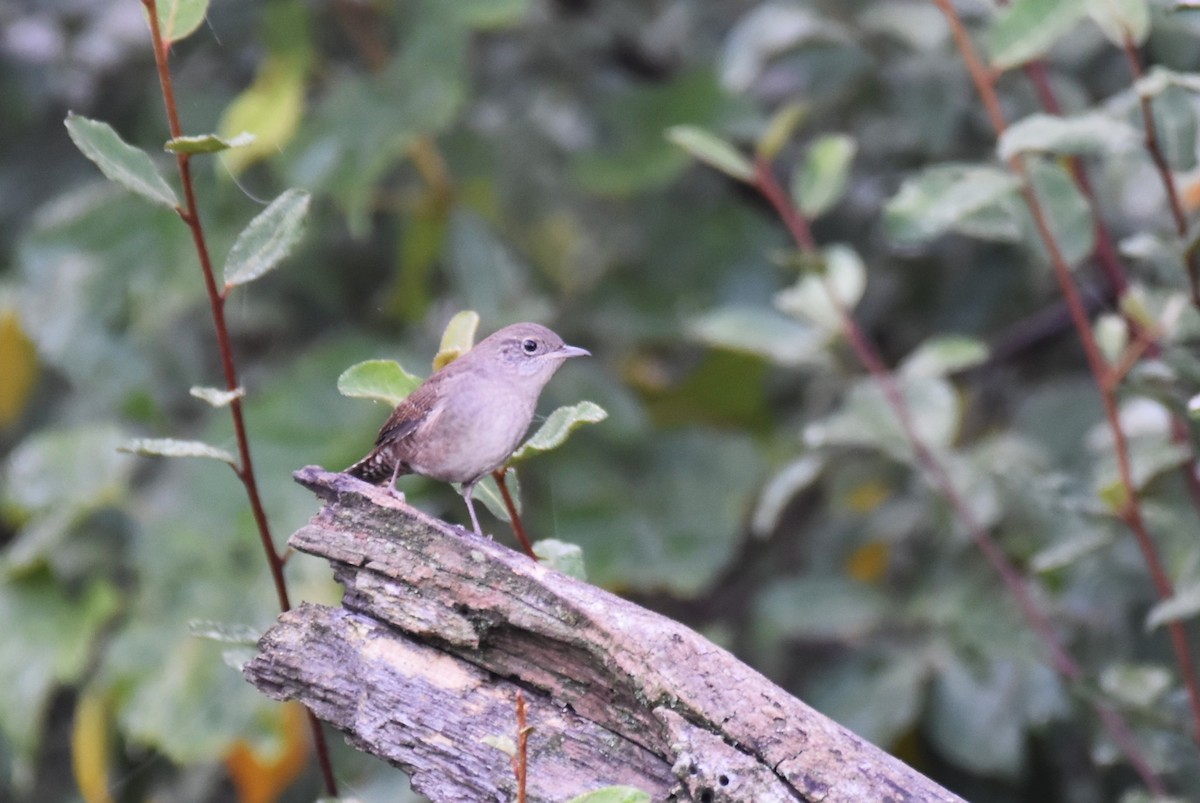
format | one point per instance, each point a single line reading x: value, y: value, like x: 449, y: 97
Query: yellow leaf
x: 867, y: 496
x: 270, y: 109
x: 261, y: 776
x: 868, y: 563
x: 18, y: 366
x: 89, y: 748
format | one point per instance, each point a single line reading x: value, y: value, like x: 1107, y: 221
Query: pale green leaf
x: 1158, y: 79
x: 867, y: 417
x: 766, y: 31
x: 561, y: 556
x: 382, y: 380
x: 1064, y: 553
x: 820, y: 181
x: 780, y: 129
x: 557, y: 426
x: 62, y: 469
x: 177, y: 19
x: 943, y: 199
x: 822, y: 608
x: 763, y: 332
x: 1184, y: 604
x: 713, y: 151
x: 1135, y: 685
x: 1082, y: 135
x: 781, y: 489
x: 207, y: 143
x: 1068, y: 213
x: 1121, y: 20
x: 457, y: 339
x: 128, y: 166
x: 268, y: 238
x: 170, y: 447
x: 1027, y: 29
x: 821, y: 298
x: 613, y: 794
x: 940, y: 356
x: 218, y: 397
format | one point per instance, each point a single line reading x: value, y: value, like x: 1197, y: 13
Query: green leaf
x: 73, y: 468
x: 821, y: 181
x: 1184, y: 604
x: 557, y: 426
x: 780, y: 128
x: 218, y: 397
x: 49, y: 640
x: 561, y: 556
x: 1121, y: 20
x: 1136, y: 685
x: 1027, y: 29
x: 843, y: 275
x: 1158, y: 79
x: 128, y: 166
x: 457, y: 339
x: 268, y: 238
x: 1068, y: 213
x: 944, y: 198
x: 781, y: 489
x: 170, y: 447
x: 940, y: 356
x: 177, y: 19
x: 713, y: 151
x: 1065, y: 553
x: 271, y: 107
x: 613, y: 794
x: 382, y: 380
x: 1175, y: 125
x: 866, y: 418
x: 762, y: 332
x: 1082, y: 135
x: 207, y: 143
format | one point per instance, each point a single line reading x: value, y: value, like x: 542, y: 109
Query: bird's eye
x: 529, y: 345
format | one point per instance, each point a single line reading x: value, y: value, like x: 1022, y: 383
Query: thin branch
x: 190, y: 214
x: 1130, y: 510
x: 513, y: 515
x: 520, y: 761
x: 1159, y: 157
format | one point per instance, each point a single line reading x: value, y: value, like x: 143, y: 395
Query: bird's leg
x: 392, y: 485
x: 468, y: 488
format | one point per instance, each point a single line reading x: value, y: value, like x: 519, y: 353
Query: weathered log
x: 439, y: 629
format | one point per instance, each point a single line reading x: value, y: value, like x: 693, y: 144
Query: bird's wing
x: 416, y: 409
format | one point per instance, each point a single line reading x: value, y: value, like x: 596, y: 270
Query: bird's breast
x: 476, y: 431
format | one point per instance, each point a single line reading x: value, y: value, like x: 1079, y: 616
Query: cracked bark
x: 438, y: 629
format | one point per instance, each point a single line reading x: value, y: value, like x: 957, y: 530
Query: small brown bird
x: 467, y: 419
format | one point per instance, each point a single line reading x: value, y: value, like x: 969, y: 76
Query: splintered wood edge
x: 724, y: 731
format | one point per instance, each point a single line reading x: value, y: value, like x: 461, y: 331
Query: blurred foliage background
x: 508, y: 156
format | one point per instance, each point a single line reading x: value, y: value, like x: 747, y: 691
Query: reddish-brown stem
x: 520, y: 761
x: 1159, y: 157
x: 190, y: 214
x: 1130, y: 511
x: 773, y: 191
x: 513, y: 515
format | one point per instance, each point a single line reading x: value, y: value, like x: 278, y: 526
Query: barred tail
x: 374, y: 468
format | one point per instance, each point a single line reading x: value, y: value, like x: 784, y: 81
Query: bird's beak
x: 573, y: 351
